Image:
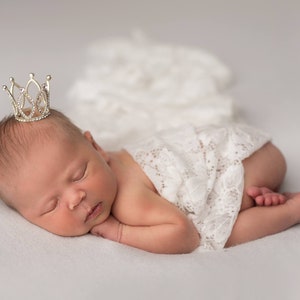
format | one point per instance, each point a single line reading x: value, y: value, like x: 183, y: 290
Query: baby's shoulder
x: 129, y: 173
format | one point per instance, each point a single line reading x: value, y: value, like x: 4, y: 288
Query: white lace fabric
x: 200, y: 170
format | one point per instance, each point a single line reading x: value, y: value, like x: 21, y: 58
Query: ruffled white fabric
x: 134, y: 86
x: 200, y: 170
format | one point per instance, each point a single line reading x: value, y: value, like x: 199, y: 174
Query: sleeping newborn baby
x: 186, y: 188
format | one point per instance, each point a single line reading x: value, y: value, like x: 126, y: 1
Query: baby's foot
x: 266, y: 197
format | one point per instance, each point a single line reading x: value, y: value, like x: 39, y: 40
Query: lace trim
x: 200, y: 170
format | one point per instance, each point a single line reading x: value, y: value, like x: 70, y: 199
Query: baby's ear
x: 95, y: 145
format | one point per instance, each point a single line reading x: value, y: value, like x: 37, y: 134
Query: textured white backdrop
x: 134, y: 86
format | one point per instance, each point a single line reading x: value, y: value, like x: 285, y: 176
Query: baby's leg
x: 264, y: 168
x: 260, y: 221
x: 263, y: 196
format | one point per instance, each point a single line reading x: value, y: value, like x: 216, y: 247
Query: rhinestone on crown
x: 28, y: 108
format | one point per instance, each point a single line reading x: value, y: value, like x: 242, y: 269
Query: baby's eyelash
x: 81, y: 174
x: 52, y: 206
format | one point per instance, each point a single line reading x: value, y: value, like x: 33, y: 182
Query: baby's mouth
x: 95, y: 212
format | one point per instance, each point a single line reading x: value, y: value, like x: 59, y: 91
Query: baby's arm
x: 152, y: 224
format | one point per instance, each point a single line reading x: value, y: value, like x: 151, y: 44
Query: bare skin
x: 264, y: 211
x: 261, y: 221
x: 86, y: 189
x: 263, y: 196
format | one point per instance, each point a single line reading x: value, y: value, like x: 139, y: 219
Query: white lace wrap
x: 200, y: 170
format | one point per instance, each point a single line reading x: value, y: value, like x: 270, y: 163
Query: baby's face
x: 65, y: 187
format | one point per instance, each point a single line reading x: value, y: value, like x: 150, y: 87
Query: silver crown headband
x: 29, y: 108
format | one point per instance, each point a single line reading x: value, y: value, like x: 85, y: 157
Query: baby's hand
x: 109, y: 229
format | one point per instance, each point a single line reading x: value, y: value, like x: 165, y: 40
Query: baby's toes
x: 282, y: 199
x: 275, y: 199
x: 269, y: 200
x: 254, y: 192
x: 260, y: 200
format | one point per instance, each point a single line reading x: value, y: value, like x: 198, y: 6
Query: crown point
x: 48, y: 77
x: 26, y: 108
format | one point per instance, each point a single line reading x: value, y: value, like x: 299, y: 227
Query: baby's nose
x: 76, y: 199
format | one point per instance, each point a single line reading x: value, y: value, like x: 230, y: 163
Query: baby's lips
x: 94, y: 212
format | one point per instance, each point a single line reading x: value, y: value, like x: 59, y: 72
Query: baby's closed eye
x: 51, y: 205
x: 80, y: 174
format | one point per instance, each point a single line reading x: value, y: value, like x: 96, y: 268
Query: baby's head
x: 54, y: 175
x: 18, y: 140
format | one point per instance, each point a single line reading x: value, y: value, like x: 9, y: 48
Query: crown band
x: 27, y: 108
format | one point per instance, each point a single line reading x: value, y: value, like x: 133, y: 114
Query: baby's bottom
x: 265, y: 168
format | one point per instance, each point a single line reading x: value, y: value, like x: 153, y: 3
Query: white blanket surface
x: 38, y: 265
